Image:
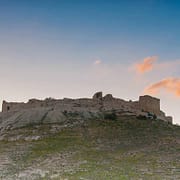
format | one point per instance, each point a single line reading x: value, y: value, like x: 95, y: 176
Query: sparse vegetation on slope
x: 127, y: 148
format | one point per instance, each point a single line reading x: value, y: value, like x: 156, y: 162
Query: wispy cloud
x: 170, y: 85
x: 97, y: 62
x: 151, y: 63
x: 146, y: 65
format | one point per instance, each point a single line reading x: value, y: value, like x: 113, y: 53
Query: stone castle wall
x: 149, y: 104
x: 97, y: 103
x: 12, y: 106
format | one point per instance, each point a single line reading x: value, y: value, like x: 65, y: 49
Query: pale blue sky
x: 48, y: 48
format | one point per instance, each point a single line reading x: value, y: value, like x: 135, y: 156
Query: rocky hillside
x: 10, y: 121
x: 123, y: 147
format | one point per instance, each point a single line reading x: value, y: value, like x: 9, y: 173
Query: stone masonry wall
x: 97, y: 103
x: 12, y: 106
x: 149, y: 104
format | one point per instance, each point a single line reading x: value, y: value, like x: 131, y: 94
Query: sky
x: 68, y: 48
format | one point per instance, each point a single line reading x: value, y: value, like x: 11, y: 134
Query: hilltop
x: 62, y: 111
x: 97, y: 138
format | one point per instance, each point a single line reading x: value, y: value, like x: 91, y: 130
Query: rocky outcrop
x: 52, y: 111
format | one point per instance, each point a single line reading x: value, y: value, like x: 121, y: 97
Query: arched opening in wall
x: 8, y: 108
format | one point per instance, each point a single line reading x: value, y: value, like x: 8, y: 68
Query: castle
x: 98, y: 103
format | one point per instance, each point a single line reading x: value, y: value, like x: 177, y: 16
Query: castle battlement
x: 98, y: 103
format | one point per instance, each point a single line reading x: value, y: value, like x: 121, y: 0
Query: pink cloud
x: 145, y: 66
x: 170, y: 85
x: 97, y: 62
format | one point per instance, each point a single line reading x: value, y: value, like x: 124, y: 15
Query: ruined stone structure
x: 149, y: 104
x: 87, y: 107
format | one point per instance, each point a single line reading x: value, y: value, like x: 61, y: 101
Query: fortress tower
x: 149, y: 104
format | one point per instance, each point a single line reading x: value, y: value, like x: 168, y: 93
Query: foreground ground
x: 125, y: 148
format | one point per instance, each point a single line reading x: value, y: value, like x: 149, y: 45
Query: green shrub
x: 110, y: 116
x: 141, y: 117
